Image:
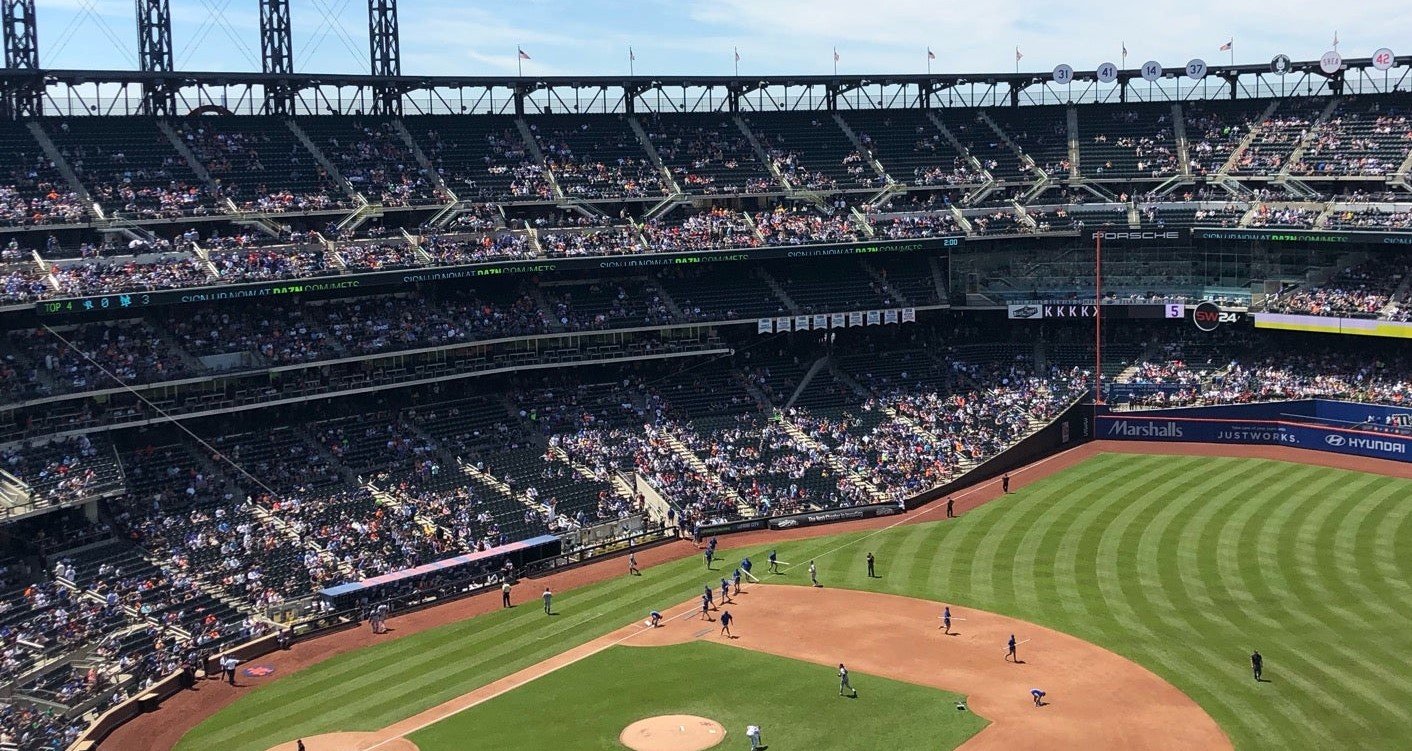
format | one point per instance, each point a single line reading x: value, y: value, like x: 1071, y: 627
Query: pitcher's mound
x: 349, y: 742
x: 672, y: 732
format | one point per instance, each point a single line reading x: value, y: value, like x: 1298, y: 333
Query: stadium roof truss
x: 112, y: 92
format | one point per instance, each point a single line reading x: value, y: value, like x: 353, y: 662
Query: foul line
x: 693, y: 611
x: 514, y: 685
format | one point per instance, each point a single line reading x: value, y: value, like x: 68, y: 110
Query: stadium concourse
x: 246, y: 359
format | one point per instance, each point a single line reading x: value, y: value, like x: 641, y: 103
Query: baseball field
x: 1138, y: 585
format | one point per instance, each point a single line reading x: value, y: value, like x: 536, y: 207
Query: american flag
x: 523, y: 55
x: 835, y: 54
x: 930, y: 55
x: 1227, y: 46
x: 1018, y: 55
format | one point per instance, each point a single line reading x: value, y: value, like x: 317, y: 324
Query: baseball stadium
x: 538, y: 407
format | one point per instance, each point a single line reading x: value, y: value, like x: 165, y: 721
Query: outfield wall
x: 1372, y: 430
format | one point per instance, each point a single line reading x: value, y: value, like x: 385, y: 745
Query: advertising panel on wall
x: 1145, y: 427
x: 1332, y: 325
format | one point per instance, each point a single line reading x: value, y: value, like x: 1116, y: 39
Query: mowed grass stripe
x: 1378, y: 533
x: 1301, y: 671
x: 1121, y: 569
x: 1169, y: 550
x: 1036, y: 560
x: 1279, y: 549
x: 1082, y: 537
x: 353, y: 694
x: 1182, y: 564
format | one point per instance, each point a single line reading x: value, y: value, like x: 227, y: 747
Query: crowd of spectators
x: 784, y: 226
x: 375, y: 256
x: 260, y: 264
x: 104, y: 277
x: 706, y: 230
x: 374, y: 160
x: 611, y: 241
x: 1360, y: 291
x: 899, y: 226
x: 235, y: 160
x: 1292, y: 217
x: 47, y: 204
x: 1370, y: 218
x: 713, y: 159
x: 452, y: 250
x: 595, y: 161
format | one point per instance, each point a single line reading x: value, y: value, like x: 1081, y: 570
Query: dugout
x: 436, y: 575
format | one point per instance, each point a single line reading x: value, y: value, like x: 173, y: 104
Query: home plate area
x: 672, y: 732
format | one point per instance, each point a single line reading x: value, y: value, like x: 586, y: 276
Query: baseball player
x: 843, y: 681
x: 1010, y: 653
x: 946, y: 618
x: 726, y: 619
x: 774, y: 564
x: 709, y: 554
x: 814, y: 574
x: 1038, y: 697
x: 547, y: 597
x: 753, y: 733
x: 654, y: 618
x: 1257, y: 664
x: 632, y: 565
x: 710, y: 596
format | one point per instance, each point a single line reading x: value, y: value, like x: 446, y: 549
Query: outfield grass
x: 1183, y: 564
x: 586, y: 705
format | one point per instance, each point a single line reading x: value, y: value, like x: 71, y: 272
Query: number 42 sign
x: 1383, y: 59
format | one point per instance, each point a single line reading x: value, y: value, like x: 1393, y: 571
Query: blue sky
x: 592, y: 37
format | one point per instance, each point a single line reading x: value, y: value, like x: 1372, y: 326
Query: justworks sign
x: 1101, y: 234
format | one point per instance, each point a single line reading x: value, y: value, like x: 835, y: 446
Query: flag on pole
x: 1125, y: 54
x: 1335, y: 40
x: 930, y: 55
x: 1018, y: 54
x: 835, y: 54
x: 523, y: 55
x: 631, y: 55
x: 737, y: 54
x: 1229, y: 45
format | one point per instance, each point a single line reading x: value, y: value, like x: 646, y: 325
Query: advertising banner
x: 835, y: 515
x: 1145, y: 427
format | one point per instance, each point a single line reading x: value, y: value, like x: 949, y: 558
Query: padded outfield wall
x: 1379, y: 431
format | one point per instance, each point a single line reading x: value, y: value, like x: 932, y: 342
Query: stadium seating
x: 131, y: 169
